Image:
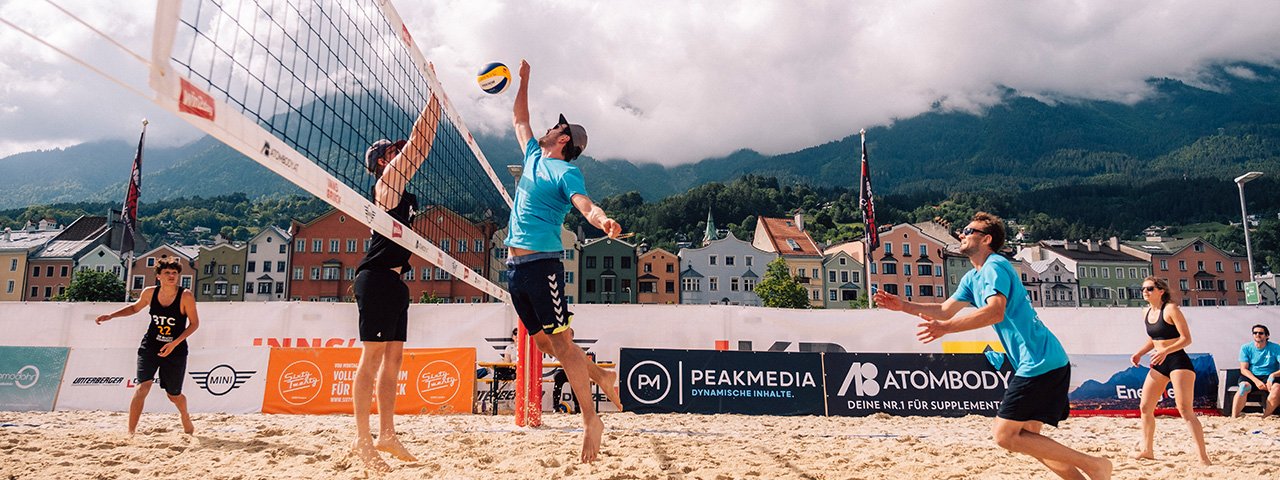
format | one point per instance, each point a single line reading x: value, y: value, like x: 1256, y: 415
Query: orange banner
x: 319, y: 380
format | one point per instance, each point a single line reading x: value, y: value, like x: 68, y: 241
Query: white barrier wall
x: 228, y: 380
x: 605, y: 328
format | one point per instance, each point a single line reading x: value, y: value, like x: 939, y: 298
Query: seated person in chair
x: 1259, y: 368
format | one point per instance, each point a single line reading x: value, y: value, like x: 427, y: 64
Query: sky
x: 676, y: 81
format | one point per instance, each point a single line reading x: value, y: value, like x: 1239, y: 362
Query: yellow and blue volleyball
x: 494, y: 78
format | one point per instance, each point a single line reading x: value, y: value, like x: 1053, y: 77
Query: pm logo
x: 862, y: 377
x: 222, y: 379
x: 649, y: 382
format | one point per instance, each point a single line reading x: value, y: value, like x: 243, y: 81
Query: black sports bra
x: 1161, y: 330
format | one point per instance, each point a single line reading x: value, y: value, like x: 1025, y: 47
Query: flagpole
x: 128, y: 216
x: 866, y: 236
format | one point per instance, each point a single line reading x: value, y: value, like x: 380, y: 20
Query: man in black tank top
x: 164, y: 346
x: 382, y: 298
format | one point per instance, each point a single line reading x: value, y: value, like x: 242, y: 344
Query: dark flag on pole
x: 866, y: 201
x: 129, y: 213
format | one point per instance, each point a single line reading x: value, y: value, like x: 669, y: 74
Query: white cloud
x: 675, y: 81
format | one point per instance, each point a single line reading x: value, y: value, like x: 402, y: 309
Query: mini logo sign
x: 194, y: 101
x: 438, y: 382
x: 26, y: 377
x: 300, y: 382
x: 222, y: 379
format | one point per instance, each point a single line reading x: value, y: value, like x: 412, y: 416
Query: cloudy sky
x: 675, y: 81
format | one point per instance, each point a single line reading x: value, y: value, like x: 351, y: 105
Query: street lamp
x: 1248, y: 249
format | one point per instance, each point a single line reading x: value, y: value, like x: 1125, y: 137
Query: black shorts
x: 537, y: 293
x: 172, y: 368
x: 1178, y: 360
x: 1041, y: 398
x: 383, y: 301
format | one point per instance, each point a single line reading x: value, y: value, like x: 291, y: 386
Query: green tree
x: 430, y: 297
x: 91, y: 286
x: 779, y: 289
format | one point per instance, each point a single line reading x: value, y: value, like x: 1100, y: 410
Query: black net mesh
x: 329, y: 78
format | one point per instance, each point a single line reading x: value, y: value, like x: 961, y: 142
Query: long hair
x: 1162, y: 284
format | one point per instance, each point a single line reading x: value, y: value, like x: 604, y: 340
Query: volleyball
x: 494, y: 78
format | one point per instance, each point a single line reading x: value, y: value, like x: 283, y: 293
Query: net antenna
x: 304, y: 87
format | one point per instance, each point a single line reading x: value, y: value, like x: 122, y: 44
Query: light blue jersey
x: 1030, y: 346
x: 1262, y: 361
x: 543, y: 197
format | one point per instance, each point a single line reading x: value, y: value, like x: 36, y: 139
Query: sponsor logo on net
x: 866, y: 382
x: 195, y: 101
x: 26, y: 377
x: 279, y: 156
x: 299, y: 382
x: 438, y: 382
x: 222, y: 379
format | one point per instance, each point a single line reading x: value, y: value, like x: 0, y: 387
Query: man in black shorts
x: 381, y: 295
x: 164, y: 346
x: 1037, y: 393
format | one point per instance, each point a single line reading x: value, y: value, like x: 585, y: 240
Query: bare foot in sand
x: 391, y: 444
x: 591, y: 433
x: 610, y: 388
x: 1143, y: 455
x: 1100, y: 469
x: 1204, y: 460
x: 363, y: 450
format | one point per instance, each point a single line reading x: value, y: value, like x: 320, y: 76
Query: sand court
x: 91, y: 444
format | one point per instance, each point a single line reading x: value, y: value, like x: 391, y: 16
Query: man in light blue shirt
x: 1260, y: 367
x: 549, y: 187
x: 1037, y: 393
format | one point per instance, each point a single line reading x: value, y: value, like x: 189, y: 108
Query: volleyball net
x: 304, y: 87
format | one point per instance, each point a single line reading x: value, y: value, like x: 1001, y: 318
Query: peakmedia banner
x: 29, y: 377
x: 938, y: 385
x: 710, y: 381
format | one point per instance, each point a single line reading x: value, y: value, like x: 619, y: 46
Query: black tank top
x: 167, y: 323
x: 1161, y: 330
x: 385, y: 254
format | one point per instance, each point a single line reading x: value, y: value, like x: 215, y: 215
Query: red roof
x: 788, y: 240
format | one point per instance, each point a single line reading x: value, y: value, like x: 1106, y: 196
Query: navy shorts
x: 537, y: 293
x: 1041, y: 398
x: 1178, y: 360
x: 383, y: 301
x: 172, y: 368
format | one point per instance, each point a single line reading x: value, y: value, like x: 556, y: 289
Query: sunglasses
x: 1150, y: 289
x: 969, y: 231
x: 1260, y: 333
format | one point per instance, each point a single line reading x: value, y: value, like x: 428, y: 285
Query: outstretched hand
x: 611, y: 227
x: 888, y: 301
x: 102, y: 318
x: 524, y: 69
x: 930, y: 330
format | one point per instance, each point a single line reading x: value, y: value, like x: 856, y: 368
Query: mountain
x: 1217, y: 130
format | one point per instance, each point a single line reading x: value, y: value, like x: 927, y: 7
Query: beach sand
x: 85, y: 444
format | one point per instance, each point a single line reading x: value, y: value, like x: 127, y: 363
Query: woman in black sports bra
x: 1169, y: 363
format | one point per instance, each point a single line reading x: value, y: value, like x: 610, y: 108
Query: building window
x: 300, y: 245
x: 608, y: 262
x: 479, y: 247
x: 253, y: 248
x: 831, y: 276
x: 462, y: 245
x: 235, y: 269
x: 891, y: 288
x: 252, y: 266
x: 1199, y: 247
x: 568, y: 278
x: 280, y: 287
x: 282, y: 247
x: 626, y: 263
x: 907, y: 288
x: 670, y: 286
x: 350, y: 273
x: 713, y: 284
x: 567, y: 254
x: 1182, y: 284
x: 924, y: 250
x: 186, y: 281
x: 315, y: 273
x: 445, y: 244
x: 647, y: 268
x: 222, y: 269
x: 10, y: 289
x: 334, y: 245
x: 888, y: 248
x: 688, y: 284
x: 906, y: 269
x: 297, y: 273
x: 711, y: 260
x: 589, y: 261
x: 317, y: 245
x: 733, y: 284
x: 367, y: 243
x: 831, y: 295
x: 1200, y: 265
x: 728, y: 260
x: 873, y: 268
x: 926, y: 290
x: 591, y: 285
x: 35, y: 271
x: 138, y: 282
x: 1182, y: 265
x: 442, y: 274
x: 1106, y: 272
x: 1144, y: 272
x: 906, y: 249
x: 1133, y: 272
x: 1218, y: 265
x: 1239, y: 285
x: 1237, y: 267
x: 266, y: 266
x: 889, y: 269
x: 235, y: 289
x: 1164, y: 265
x: 206, y: 289
x: 815, y: 273
x: 332, y: 272
x: 1204, y: 285
x: 749, y: 259
x: 151, y: 262
x: 351, y: 245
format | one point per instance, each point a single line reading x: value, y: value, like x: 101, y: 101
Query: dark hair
x: 168, y: 264
x: 515, y: 331
x: 1162, y: 284
x: 994, y: 229
x: 570, y: 151
x: 1264, y: 328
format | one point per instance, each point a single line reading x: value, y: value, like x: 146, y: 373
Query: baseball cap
x: 376, y: 151
x: 577, y: 134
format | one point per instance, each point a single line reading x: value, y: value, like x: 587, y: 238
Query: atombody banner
x: 710, y: 381
x: 320, y: 380
x: 947, y: 385
x: 29, y: 377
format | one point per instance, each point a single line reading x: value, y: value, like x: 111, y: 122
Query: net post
x: 528, y: 380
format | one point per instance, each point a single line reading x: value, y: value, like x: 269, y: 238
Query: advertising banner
x: 710, y: 381
x: 1110, y: 385
x: 217, y: 380
x: 29, y: 377
x: 319, y: 380
x: 939, y: 385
